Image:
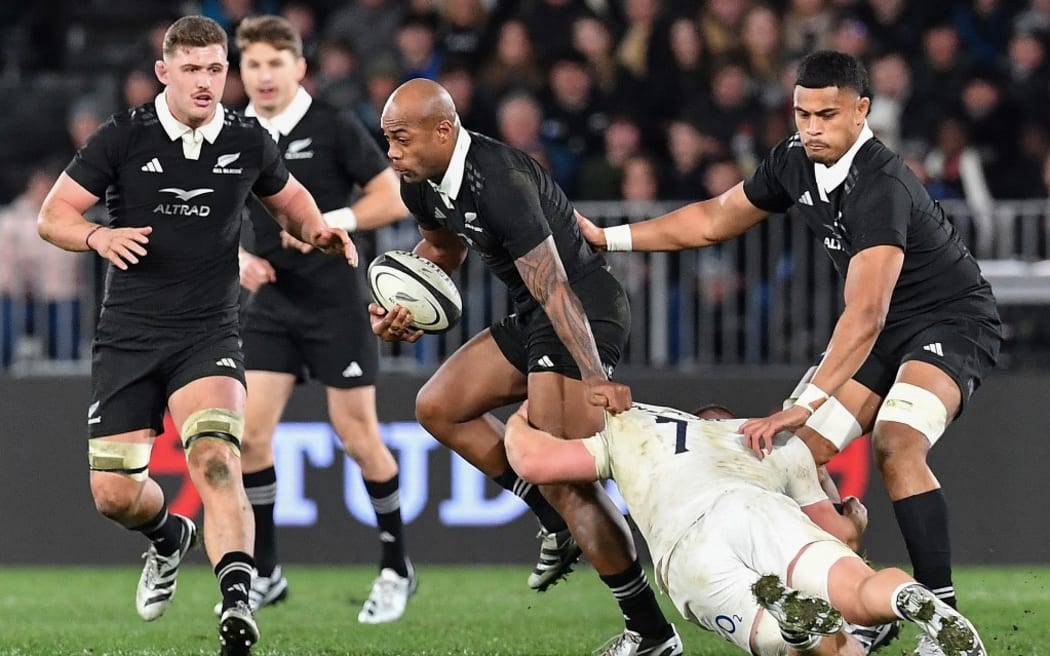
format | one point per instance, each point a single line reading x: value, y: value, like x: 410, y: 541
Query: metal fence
x: 769, y: 297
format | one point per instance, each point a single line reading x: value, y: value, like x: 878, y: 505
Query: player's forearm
x: 62, y: 225
x: 569, y: 320
x: 381, y: 204
x: 851, y: 342
x: 298, y: 214
x: 448, y: 259
x: 541, y: 458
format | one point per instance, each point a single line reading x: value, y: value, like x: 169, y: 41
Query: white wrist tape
x: 343, y: 217
x: 810, y: 395
x: 618, y: 238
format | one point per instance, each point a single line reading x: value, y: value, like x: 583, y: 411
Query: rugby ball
x: 419, y: 286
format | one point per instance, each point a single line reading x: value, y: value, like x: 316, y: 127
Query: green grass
x: 469, y: 611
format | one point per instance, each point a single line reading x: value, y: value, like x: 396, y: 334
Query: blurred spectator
x: 992, y: 124
x: 139, y: 87
x: 473, y: 111
x: 1023, y: 177
x: 550, y: 24
x: 760, y: 35
x: 637, y: 45
x: 984, y: 28
x: 894, y: 25
x: 600, y: 176
x: 954, y: 170
x: 731, y: 115
x: 618, y: 87
x: 382, y: 76
x: 369, y: 26
x: 720, y: 25
x: 85, y: 116
x: 513, y: 66
x: 417, y: 43
x: 233, y: 94
x: 230, y: 13
x: 690, y: 152
x: 303, y: 18
x: 850, y: 35
x: 942, y: 69
x: 519, y: 118
x: 574, y: 117
x: 720, y: 176
x: 807, y: 24
x: 1027, y: 75
x: 896, y: 116
x: 39, y: 285
x: 1036, y: 18
x: 640, y: 181
x: 336, y: 75
x: 463, y: 29
x: 685, y: 81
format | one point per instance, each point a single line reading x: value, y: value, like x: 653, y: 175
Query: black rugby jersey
x: 505, y: 206
x: 880, y: 202
x: 329, y: 153
x: 189, y: 276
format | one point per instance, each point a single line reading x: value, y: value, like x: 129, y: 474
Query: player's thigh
x: 710, y: 585
x: 352, y: 411
x: 126, y: 395
x: 844, y: 417
x: 270, y: 339
x: 475, y: 379
x: 267, y: 395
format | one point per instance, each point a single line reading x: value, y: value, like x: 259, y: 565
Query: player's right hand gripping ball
x: 419, y: 286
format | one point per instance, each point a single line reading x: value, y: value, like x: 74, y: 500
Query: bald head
x: 421, y: 127
x: 420, y: 101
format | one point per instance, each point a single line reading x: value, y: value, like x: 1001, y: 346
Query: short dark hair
x: 714, y: 411
x: 830, y: 68
x: 274, y: 31
x: 194, y: 32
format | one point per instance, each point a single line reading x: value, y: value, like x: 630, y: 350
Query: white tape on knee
x: 129, y: 459
x: 835, y: 423
x: 916, y: 407
x: 810, y: 574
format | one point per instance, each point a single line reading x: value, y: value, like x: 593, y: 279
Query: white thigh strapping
x: 835, y: 423
x: 810, y: 574
x: 916, y: 407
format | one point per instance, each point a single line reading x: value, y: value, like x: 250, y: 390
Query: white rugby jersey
x: 671, y: 467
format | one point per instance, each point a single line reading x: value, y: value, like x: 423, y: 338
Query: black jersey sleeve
x: 94, y: 167
x: 356, y: 150
x: 878, y: 214
x: 514, y: 214
x: 273, y: 174
x: 412, y: 196
x: 764, y: 189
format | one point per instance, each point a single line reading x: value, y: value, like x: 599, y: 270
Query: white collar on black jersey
x: 286, y: 121
x: 829, y: 177
x: 191, y: 139
x: 453, y: 179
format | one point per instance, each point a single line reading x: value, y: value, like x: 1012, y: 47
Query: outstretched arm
x: 848, y: 526
x: 541, y: 458
x: 295, y: 210
x: 698, y: 224
x: 544, y: 275
x: 870, y: 281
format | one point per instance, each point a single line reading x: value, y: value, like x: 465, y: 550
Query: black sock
x: 386, y: 500
x: 234, y: 572
x: 261, y: 488
x: 923, y: 520
x: 530, y: 494
x: 164, y: 530
x: 641, y: 613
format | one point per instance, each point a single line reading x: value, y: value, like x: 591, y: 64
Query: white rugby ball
x: 418, y: 285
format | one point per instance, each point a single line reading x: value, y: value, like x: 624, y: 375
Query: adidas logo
x: 353, y: 370
x: 92, y: 409
x: 226, y: 362
x: 805, y: 198
x: 438, y: 214
x: 934, y: 348
x: 545, y: 361
x: 152, y: 166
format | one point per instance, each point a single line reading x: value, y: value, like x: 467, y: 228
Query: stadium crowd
x: 619, y: 99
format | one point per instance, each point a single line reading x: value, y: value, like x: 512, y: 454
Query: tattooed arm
x: 544, y: 275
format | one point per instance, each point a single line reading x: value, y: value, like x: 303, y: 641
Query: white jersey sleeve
x: 800, y: 472
x: 599, y: 448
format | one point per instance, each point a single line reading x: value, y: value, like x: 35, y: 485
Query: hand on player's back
x: 592, y: 233
x: 604, y: 393
x: 392, y: 326
x: 759, y: 433
x: 121, y: 246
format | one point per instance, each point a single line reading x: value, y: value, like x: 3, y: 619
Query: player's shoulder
x: 883, y: 170
x: 237, y: 121
x: 494, y: 156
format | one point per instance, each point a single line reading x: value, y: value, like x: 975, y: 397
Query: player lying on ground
x: 734, y: 538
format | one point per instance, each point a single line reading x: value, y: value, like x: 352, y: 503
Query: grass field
x: 469, y: 611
